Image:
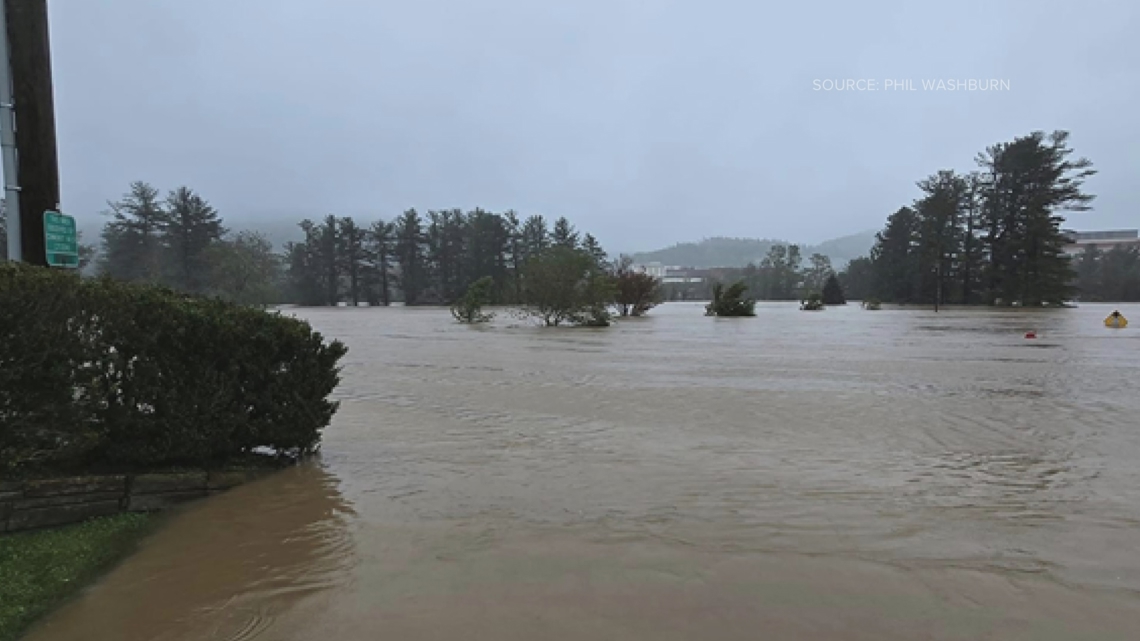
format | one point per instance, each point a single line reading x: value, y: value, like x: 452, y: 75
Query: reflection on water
x: 224, y: 568
x: 883, y: 475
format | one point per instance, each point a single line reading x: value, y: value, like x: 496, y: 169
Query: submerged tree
x: 635, y: 292
x: 833, y: 292
x: 469, y: 309
x: 730, y: 301
x: 812, y: 303
x: 564, y: 286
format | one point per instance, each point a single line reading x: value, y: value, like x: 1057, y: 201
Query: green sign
x: 61, y: 240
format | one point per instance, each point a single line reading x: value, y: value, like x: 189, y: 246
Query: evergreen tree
x: 352, y: 255
x: 189, y: 228
x: 516, y: 255
x: 132, y: 239
x: 488, y: 245
x: 833, y: 292
x: 380, y: 241
x: 535, y: 236
x: 409, y: 250
x: 591, y: 246
x: 895, y: 257
x: 858, y: 279
x: 1030, y: 181
x: 939, y: 234
x: 303, y: 271
x: 564, y: 234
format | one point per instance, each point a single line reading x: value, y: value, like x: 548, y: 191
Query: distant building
x: 670, y: 274
x: 1079, y: 241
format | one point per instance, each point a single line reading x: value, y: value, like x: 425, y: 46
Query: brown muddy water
x: 834, y: 475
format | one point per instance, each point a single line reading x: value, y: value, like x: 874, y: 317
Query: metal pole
x: 8, y: 143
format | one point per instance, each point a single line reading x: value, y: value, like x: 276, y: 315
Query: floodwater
x: 834, y: 475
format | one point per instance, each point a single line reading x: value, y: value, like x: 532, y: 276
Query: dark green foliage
x: 857, y: 279
x: 469, y: 309
x: 1112, y: 275
x: 814, y: 277
x: 190, y: 227
x: 409, y: 244
x: 833, y: 292
x: 132, y: 240
x: 98, y: 373
x: 813, y: 302
x: 564, y: 234
x: 379, y: 256
x: 591, y: 246
x: 873, y: 304
x: 991, y: 236
x: 564, y: 286
x: 243, y: 270
x: 730, y: 301
x: 635, y: 292
x: 40, y: 569
x: 352, y: 256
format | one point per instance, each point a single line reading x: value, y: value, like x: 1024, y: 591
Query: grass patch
x: 41, y: 569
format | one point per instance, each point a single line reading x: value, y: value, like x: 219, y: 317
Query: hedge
x: 99, y: 374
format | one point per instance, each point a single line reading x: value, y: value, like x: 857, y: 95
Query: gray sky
x: 646, y: 122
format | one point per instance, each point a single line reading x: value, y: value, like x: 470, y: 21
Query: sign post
x: 61, y: 240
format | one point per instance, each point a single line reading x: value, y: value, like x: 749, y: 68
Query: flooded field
x: 837, y: 475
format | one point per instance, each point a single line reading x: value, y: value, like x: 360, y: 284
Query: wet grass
x: 39, y: 570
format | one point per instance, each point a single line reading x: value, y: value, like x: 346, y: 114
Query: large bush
x: 97, y: 374
x: 566, y: 286
x: 730, y: 301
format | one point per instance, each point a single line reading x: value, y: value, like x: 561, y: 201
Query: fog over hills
x: 738, y: 252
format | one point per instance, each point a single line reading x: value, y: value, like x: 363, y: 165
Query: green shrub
x: 873, y: 304
x: 469, y: 309
x: 813, y: 302
x: 730, y: 301
x: 101, y: 374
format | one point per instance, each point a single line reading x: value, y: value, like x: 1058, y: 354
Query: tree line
x: 422, y: 259
x: 562, y: 275
x: 990, y: 236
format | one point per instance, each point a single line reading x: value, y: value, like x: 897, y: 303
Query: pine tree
x: 352, y: 256
x: 132, y: 239
x: 895, y: 257
x: 940, y: 237
x: 535, y: 236
x: 833, y: 291
x: 189, y: 228
x: 409, y: 246
x: 516, y: 256
x: 303, y: 271
x: 591, y: 246
x: 380, y: 256
x: 1029, y: 182
x: 564, y: 234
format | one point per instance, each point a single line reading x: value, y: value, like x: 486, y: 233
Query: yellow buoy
x: 1116, y: 320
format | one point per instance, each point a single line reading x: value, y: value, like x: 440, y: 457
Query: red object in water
x: 1031, y: 334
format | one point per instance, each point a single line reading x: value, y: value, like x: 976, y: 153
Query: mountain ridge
x: 723, y: 251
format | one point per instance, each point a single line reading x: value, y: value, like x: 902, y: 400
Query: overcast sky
x: 646, y: 122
